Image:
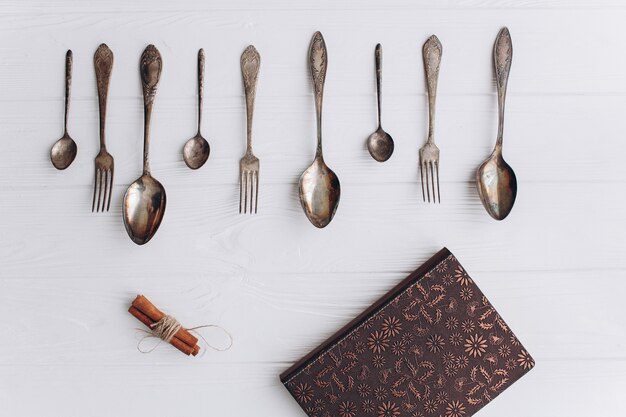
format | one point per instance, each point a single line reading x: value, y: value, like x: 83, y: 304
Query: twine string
x: 168, y: 326
x: 195, y: 331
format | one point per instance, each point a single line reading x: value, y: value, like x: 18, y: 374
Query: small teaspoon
x: 380, y: 144
x: 196, y: 150
x: 64, y: 150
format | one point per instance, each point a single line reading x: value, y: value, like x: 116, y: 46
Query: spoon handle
x: 250, y: 63
x: 318, y: 62
x: 69, y: 59
x: 432, y: 59
x: 200, y: 86
x: 502, y: 56
x: 103, y: 65
x: 378, y: 57
x: 150, y: 69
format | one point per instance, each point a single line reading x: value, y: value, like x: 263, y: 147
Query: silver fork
x: 103, y: 64
x: 249, y: 164
x: 429, y: 153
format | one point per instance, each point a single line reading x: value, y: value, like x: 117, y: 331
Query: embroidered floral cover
x: 433, y: 346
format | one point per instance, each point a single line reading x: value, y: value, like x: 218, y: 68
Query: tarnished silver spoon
x: 64, y: 150
x: 196, y: 150
x: 380, y: 144
x: 144, y: 200
x: 319, y: 186
x: 495, y: 179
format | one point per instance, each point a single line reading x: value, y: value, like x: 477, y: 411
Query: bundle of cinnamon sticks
x: 149, y: 315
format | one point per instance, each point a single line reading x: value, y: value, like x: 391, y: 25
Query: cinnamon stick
x: 147, y: 308
x: 176, y: 342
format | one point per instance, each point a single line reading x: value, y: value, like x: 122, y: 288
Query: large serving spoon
x: 196, y: 150
x: 144, y: 200
x: 319, y: 186
x: 495, y: 179
x: 380, y: 144
x: 64, y: 150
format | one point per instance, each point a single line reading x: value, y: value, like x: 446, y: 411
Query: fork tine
x: 245, y: 190
x: 110, y: 190
x: 95, y: 188
x: 438, y: 192
x: 256, y: 191
x: 427, y: 181
x: 240, y: 190
x: 251, y: 179
x: 106, y: 188
x: 422, y: 178
x: 99, y: 190
x: 432, y: 178
x: 251, y: 195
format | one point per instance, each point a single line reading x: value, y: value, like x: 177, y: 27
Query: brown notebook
x: 432, y: 346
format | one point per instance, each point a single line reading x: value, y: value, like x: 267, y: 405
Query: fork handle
x: 502, y: 56
x: 103, y: 65
x: 250, y: 63
x: 432, y: 59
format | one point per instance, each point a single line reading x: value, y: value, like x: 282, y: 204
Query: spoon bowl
x: 196, y: 151
x: 144, y: 205
x: 497, y: 186
x: 319, y: 191
x: 63, y: 152
x: 380, y: 144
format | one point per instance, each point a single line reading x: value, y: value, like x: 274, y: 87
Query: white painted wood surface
x: 555, y: 268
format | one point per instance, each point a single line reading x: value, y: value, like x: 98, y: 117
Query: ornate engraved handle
x: 103, y: 64
x: 318, y: 61
x: 250, y: 64
x: 200, y: 86
x: 502, y: 56
x: 432, y: 59
x: 69, y: 59
x: 150, y: 70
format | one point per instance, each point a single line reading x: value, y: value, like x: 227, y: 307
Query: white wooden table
x: 555, y: 268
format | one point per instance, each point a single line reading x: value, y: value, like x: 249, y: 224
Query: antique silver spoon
x: 64, y: 150
x: 319, y: 186
x: 495, y: 179
x: 380, y: 144
x: 196, y: 151
x: 144, y: 200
